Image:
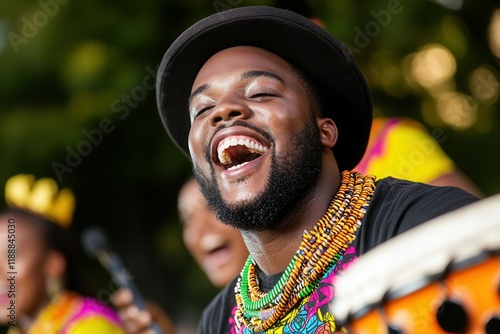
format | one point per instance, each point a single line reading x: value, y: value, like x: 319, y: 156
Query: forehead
x: 240, y: 59
x: 190, y: 197
x: 23, y: 228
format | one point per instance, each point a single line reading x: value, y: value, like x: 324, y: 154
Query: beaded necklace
x: 319, y: 251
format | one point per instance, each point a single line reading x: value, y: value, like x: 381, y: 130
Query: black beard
x: 290, y: 182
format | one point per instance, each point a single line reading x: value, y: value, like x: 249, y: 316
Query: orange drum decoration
x: 440, y: 277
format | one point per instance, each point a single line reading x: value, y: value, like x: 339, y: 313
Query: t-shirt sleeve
x: 397, y: 206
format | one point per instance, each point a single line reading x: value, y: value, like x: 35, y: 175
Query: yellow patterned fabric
x: 404, y: 149
x: 72, y: 314
x: 96, y: 325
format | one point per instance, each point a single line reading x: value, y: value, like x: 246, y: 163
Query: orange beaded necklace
x: 320, y: 249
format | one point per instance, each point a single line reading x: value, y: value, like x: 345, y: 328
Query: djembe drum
x: 440, y: 277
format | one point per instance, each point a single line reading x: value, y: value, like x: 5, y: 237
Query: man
x: 273, y: 110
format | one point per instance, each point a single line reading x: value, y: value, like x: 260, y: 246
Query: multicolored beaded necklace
x: 319, y: 251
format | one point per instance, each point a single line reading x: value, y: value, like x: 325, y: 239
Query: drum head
x: 410, y: 260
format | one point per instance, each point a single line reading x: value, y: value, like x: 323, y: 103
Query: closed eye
x: 200, y: 110
x: 262, y: 95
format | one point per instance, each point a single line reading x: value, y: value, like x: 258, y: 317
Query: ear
x: 55, y: 265
x: 328, y: 132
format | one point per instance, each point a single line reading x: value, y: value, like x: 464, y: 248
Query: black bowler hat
x: 287, y: 34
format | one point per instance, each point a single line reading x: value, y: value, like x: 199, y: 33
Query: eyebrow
x: 256, y: 73
x: 197, y: 91
x: 246, y: 75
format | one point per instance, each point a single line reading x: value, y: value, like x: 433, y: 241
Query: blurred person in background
x: 404, y: 149
x: 217, y: 248
x: 40, y: 283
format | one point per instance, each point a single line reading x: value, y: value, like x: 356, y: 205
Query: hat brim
x: 289, y: 35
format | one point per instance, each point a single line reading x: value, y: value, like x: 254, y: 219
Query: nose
x: 228, y: 108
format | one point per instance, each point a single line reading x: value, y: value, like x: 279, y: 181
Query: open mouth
x: 236, y: 151
x: 212, y: 244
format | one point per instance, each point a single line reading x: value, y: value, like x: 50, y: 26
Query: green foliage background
x: 67, y: 66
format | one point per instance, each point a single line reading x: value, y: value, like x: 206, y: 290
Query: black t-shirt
x: 396, y: 207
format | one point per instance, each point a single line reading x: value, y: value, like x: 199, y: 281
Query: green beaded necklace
x: 319, y: 251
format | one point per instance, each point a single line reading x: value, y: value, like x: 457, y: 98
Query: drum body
x: 475, y: 289
x: 432, y: 287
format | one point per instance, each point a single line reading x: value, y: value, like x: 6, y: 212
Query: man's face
x: 253, y: 136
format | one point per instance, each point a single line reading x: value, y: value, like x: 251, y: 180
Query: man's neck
x: 273, y: 250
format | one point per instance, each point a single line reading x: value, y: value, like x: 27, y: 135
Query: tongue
x: 240, y: 154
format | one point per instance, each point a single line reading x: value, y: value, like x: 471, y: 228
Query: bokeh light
x: 85, y: 64
x: 433, y: 67
x: 494, y: 33
x: 386, y: 74
x: 457, y: 110
x: 484, y: 84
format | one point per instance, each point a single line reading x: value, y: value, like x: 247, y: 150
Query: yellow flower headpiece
x: 41, y: 197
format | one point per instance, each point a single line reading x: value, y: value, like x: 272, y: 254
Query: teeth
x: 253, y: 146
x: 237, y: 166
x: 211, y: 242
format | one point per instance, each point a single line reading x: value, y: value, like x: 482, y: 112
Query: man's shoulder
x: 399, y: 205
x: 391, y: 183
x: 390, y: 188
x: 396, y: 193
